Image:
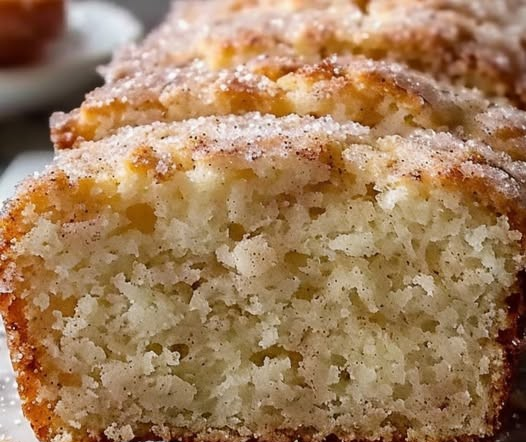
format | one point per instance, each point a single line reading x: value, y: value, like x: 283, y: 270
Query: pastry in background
x: 27, y: 27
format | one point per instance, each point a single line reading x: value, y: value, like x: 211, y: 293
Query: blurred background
x: 24, y: 126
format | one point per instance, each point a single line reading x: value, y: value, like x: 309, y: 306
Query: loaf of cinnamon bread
x: 280, y: 221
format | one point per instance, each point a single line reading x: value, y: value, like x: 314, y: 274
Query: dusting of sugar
x: 494, y: 38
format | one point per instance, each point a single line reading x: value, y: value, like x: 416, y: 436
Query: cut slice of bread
x: 175, y: 72
x: 278, y: 278
x: 379, y: 94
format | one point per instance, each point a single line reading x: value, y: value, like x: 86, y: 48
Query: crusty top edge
x: 386, y: 96
x: 490, y: 176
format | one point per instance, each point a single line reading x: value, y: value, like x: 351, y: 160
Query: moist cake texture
x: 258, y: 229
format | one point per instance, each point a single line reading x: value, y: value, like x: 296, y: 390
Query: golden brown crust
x: 27, y: 27
x: 22, y: 344
x: 348, y: 88
x: 174, y: 74
x: 489, y: 173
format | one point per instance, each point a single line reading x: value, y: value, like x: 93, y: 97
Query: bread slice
x: 472, y: 43
x: 27, y: 27
x: 204, y: 45
x: 263, y: 277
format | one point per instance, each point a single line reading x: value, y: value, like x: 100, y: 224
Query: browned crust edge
x: 68, y: 130
x: 21, y: 343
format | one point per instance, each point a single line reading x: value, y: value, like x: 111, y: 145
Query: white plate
x: 22, y: 166
x: 13, y: 426
x: 94, y: 30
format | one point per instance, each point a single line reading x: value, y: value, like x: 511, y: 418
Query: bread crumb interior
x: 250, y: 299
